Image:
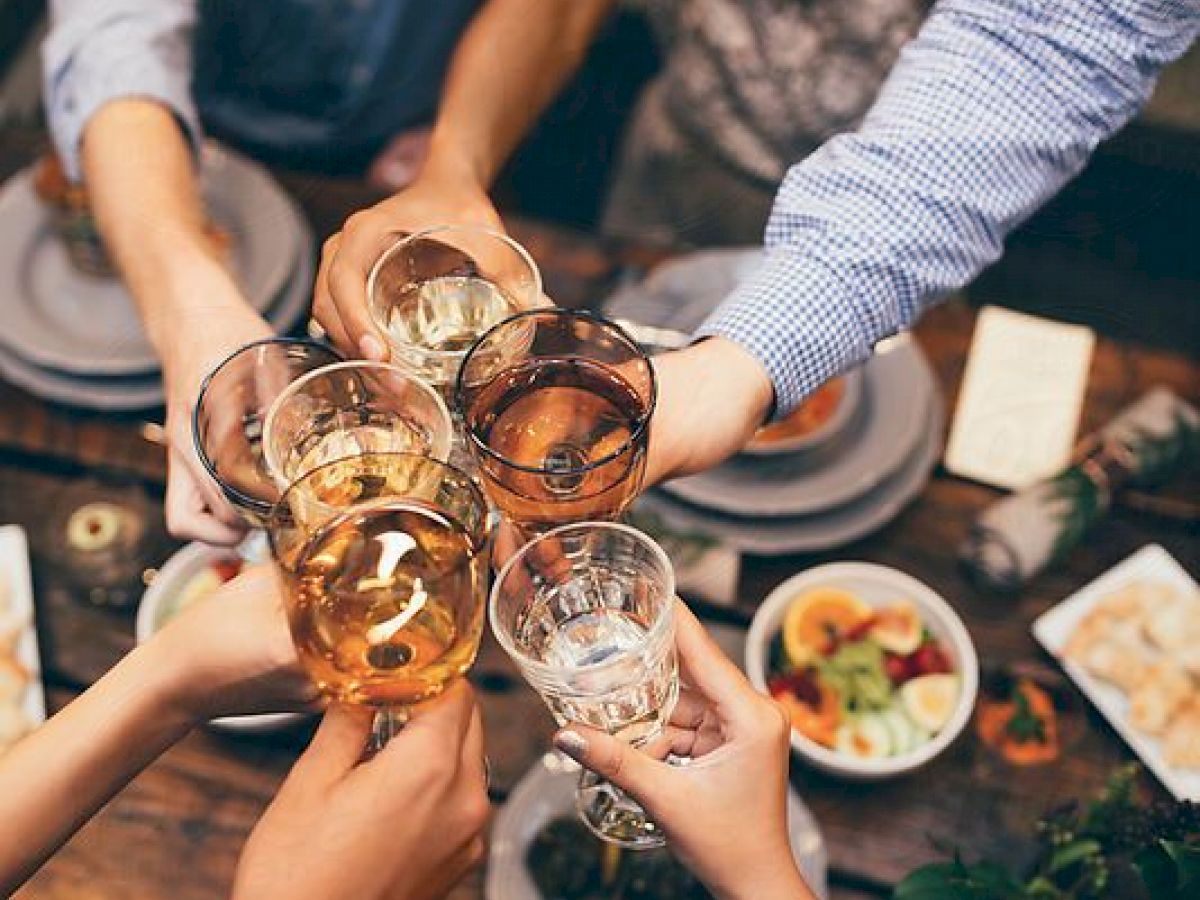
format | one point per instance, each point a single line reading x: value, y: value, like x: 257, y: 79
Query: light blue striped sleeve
x: 990, y: 110
x: 102, y: 50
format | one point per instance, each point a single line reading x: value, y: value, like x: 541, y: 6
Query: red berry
x: 227, y: 569
x: 861, y: 630
x: 897, y: 668
x: 930, y: 659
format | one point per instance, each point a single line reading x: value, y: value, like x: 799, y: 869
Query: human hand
x: 712, y: 397
x: 403, y: 825
x: 232, y: 653
x: 441, y: 195
x: 736, y: 744
x: 196, y: 343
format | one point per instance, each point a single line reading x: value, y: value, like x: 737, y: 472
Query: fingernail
x: 371, y: 348
x: 571, y: 743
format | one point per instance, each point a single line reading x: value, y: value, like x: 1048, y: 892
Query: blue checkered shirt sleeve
x: 103, y: 50
x: 990, y: 110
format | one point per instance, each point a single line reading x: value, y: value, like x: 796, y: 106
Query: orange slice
x: 817, y: 619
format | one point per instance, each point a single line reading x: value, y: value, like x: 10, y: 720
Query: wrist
x: 451, y: 160
x: 162, y: 689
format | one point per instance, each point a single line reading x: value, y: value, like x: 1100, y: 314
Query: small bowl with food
x: 824, y: 415
x: 189, y: 576
x: 875, y: 669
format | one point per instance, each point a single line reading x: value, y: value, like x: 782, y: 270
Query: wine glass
x: 385, y: 560
x: 351, y: 408
x: 587, y: 613
x: 228, y: 421
x: 556, y: 406
x: 432, y: 293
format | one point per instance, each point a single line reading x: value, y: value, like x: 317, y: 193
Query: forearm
x: 149, y: 210
x: 54, y: 780
x: 993, y: 107
x: 513, y: 59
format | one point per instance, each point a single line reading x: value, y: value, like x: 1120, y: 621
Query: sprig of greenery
x: 1080, y: 852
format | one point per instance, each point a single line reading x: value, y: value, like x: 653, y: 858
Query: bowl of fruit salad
x: 877, y: 672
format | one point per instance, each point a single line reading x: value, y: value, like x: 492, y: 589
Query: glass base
x: 389, y: 722
x: 615, y: 817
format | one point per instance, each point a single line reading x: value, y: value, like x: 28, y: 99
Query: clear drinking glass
x: 385, y: 562
x: 556, y: 406
x: 434, y: 292
x: 587, y: 613
x: 352, y: 408
x: 228, y: 421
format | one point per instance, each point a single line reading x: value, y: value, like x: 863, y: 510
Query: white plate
x: 156, y: 607
x: 57, y: 318
x: 14, y: 568
x: 547, y: 792
x: 135, y: 392
x: 898, y: 391
x: 820, y: 531
x: 1054, y: 628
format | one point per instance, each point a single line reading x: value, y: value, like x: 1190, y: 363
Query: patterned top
x: 761, y: 83
x: 990, y: 111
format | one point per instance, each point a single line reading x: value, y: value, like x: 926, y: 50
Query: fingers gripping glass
x: 228, y: 420
x: 384, y: 558
x: 557, y: 406
x: 587, y: 613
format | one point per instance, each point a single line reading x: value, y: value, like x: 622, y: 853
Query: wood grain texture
x: 177, y: 830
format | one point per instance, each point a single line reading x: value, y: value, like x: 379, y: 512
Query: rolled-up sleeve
x: 103, y: 50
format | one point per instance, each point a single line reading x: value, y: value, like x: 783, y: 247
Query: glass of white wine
x: 228, y: 420
x: 352, y: 408
x: 432, y: 293
x: 587, y: 613
x: 385, y: 561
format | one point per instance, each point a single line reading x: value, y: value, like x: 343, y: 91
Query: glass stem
x: 389, y: 721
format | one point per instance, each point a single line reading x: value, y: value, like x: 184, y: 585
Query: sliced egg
x: 930, y: 700
x: 866, y: 737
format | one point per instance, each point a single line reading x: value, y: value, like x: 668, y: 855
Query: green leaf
x: 956, y: 881
x: 1186, y: 858
x: 1158, y: 872
x: 1069, y: 854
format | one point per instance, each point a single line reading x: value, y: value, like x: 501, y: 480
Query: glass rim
x: 232, y: 493
x: 635, y: 435
x: 410, y: 238
x: 437, y: 451
x: 478, y: 535
x: 662, y: 620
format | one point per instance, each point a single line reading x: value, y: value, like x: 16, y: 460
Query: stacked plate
x: 77, y: 339
x: 807, y: 495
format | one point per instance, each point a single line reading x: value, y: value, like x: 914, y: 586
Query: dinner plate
x: 56, y: 317
x: 134, y: 392
x: 1054, y: 628
x: 821, y: 531
x: 547, y: 792
x: 18, y: 611
x: 898, y: 393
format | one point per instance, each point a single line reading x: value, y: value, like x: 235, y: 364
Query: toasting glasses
x: 352, y: 408
x: 587, y: 613
x: 228, y: 422
x: 384, y: 558
x: 556, y: 405
x: 434, y: 292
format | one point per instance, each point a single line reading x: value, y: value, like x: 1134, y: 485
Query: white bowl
x: 831, y: 428
x: 876, y: 585
x: 175, y: 573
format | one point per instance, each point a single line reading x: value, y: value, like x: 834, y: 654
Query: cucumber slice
x: 903, y: 731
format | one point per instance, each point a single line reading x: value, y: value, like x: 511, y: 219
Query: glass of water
x: 587, y: 613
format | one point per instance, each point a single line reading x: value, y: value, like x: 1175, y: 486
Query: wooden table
x: 177, y: 830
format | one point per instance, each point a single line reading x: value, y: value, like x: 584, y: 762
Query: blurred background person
x: 747, y: 87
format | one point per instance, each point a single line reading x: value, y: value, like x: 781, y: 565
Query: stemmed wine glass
x: 228, y: 420
x: 587, y: 613
x: 385, y: 560
x: 556, y: 406
x: 432, y: 293
x: 352, y: 408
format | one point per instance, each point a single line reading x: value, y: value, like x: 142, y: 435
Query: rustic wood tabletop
x: 177, y: 830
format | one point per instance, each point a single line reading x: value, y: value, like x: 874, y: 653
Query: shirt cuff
x: 80, y: 95
x: 796, y: 317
